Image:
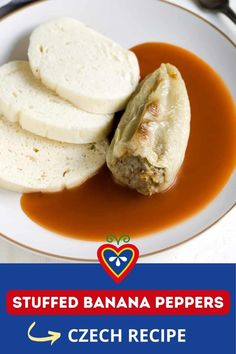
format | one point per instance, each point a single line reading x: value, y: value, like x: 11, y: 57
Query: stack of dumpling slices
x: 57, y: 109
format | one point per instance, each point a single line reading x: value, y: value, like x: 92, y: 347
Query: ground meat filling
x: 138, y: 174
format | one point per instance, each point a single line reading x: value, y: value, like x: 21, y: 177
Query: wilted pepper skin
x: 150, y: 141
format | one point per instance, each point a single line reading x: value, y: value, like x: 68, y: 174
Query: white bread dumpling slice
x: 83, y: 66
x: 25, y: 100
x: 29, y: 163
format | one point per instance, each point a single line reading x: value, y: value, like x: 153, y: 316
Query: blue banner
x: 203, y: 333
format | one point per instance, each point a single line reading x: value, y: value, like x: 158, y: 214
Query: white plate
x: 129, y: 22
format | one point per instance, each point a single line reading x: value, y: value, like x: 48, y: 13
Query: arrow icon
x: 53, y: 336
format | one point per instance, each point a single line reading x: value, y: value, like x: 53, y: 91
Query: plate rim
x: 67, y: 258
x: 26, y: 6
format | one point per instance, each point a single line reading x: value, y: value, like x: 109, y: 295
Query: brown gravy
x: 100, y: 206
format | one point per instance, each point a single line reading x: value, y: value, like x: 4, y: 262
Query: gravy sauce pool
x: 100, y: 206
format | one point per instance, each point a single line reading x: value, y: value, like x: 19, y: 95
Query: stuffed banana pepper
x: 150, y: 141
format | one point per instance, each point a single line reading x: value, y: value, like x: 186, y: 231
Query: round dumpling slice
x: 25, y: 100
x: 83, y: 66
x: 29, y: 163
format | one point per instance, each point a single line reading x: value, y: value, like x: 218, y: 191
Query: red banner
x: 118, y: 302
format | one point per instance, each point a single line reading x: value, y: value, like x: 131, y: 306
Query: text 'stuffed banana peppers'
x: 150, y: 141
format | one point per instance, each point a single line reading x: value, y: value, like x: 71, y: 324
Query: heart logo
x: 118, y: 261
